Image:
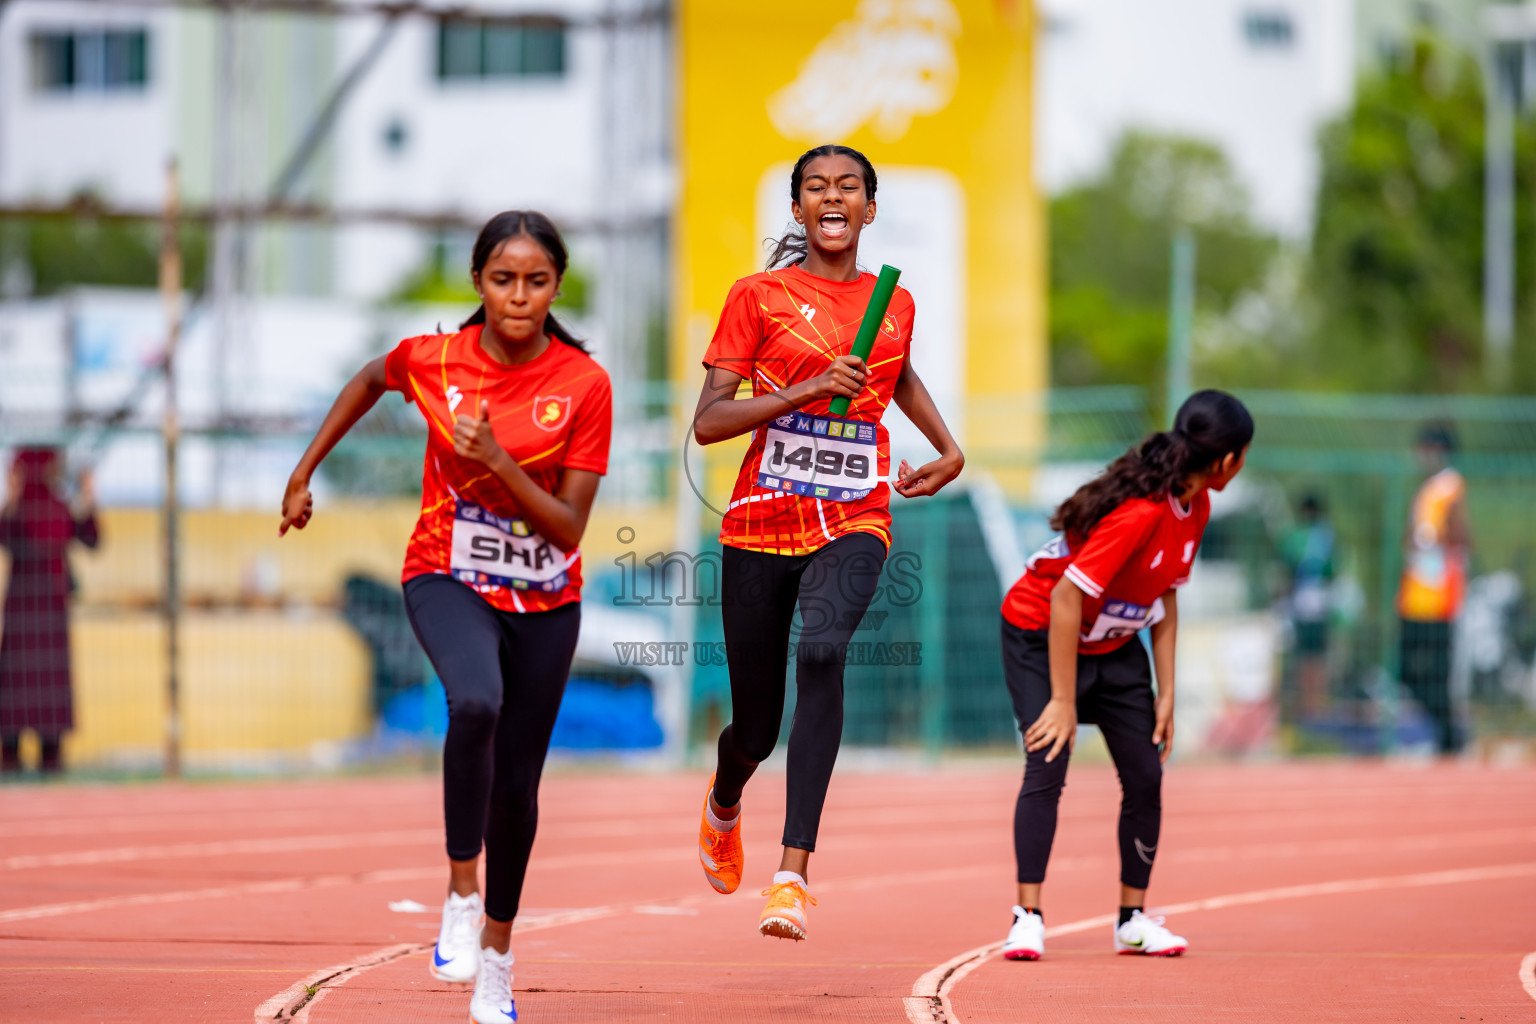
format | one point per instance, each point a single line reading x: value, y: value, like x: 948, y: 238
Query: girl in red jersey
x: 518, y: 422
x: 1070, y: 652
x: 809, y: 520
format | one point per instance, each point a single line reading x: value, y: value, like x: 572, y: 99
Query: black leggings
x: 1114, y: 692
x: 1426, y: 673
x: 833, y: 586
x: 504, y: 673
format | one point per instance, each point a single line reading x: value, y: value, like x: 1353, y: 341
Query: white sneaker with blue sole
x: 456, y: 957
x: 492, y: 1002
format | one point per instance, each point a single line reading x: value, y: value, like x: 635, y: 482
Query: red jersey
x: 810, y: 477
x: 551, y: 414
x: 1134, y: 556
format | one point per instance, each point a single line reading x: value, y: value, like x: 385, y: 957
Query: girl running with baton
x: 1070, y: 652
x: 809, y: 520
x: 518, y: 421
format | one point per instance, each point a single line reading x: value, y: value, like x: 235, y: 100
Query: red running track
x: 1312, y: 892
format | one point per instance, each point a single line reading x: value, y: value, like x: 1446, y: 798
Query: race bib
x: 1309, y: 601
x: 491, y: 551
x: 1121, y: 618
x: 819, y: 457
x: 1428, y: 565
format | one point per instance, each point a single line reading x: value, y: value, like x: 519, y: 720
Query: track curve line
x: 929, y: 1002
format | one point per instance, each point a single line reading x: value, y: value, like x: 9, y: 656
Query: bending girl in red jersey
x: 809, y: 518
x: 518, y: 423
x: 1070, y: 652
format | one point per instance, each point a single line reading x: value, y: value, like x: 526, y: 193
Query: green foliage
x: 59, y: 253
x: 1397, y: 249
x: 1111, y: 241
x: 437, y: 282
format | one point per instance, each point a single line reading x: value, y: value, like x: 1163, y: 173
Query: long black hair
x: 792, y: 247
x: 542, y: 230
x: 1210, y: 426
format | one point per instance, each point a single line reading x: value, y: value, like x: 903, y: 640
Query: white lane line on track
x: 411, y: 837
x: 280, y: 844
x: 1528, y: 974
x: 281, y: 885
x: 294, y: 1002
x: 576, y: 861
x: 929, y: 1001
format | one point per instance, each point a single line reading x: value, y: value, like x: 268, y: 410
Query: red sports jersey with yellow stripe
x: 552, y: 413
x: 1125, y: 565
x: 809, y: 477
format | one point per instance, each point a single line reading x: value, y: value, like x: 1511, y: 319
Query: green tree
x: 1397, y: 247
x: 435, y: 281
x: 1111, y: 241
x: 56, y: 253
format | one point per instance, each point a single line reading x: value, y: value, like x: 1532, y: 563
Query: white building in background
x: 560, y: 105
x: 495, y: 104
x: 1255, y: 77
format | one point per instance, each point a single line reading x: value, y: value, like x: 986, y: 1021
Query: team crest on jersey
x: 889, y: 326
x: 551, y: 413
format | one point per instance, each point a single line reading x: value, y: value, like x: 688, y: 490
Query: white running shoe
x: 1026, y: 939
x: 457, y: 953
x: 1146, y: 936
x: 492, y: 1002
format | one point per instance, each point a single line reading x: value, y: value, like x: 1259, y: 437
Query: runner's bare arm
x: 1458, y: 532
x: 561, y: 517
x: 1164, y: 637
x: 358, y: 396
x: 912, y: 398
x: 720, y: 415
x: 1057, y: 725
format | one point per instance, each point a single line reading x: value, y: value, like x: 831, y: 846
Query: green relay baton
x: 874, y: 315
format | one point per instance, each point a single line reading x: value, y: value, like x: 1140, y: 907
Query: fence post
x: 1394, y: 513
x: 933, y: 707
x: 170, y: 296
x: 1181, y: 317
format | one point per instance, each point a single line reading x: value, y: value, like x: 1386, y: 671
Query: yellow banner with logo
x: 937, y: 93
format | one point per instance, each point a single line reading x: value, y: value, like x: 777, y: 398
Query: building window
x: 1269, y: 30
x: 90, y: 60
x: 517, y: 48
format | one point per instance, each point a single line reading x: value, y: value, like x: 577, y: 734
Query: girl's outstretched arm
x: 359, y: 395
x: 1164, y: 638
x: 912, y: 398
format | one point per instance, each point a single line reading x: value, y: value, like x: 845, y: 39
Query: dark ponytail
x: 541, y: 229
x: 1210, y: 426
x: 792, y: 247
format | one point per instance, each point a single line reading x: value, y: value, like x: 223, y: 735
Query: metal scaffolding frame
x: 636, y: 132
x: 1509, y: 69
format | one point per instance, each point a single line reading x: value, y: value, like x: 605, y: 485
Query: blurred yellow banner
x: 938, y: 94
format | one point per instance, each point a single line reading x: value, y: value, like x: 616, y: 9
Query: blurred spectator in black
x: 36, y: 528
x: 1436, y: 542
x: 1308, y: 554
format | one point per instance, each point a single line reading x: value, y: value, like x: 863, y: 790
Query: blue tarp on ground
x: 596, y: 714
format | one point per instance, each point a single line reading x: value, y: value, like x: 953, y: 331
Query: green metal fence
x: 298, y: 656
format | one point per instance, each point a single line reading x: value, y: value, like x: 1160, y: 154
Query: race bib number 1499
x: 819, y: 457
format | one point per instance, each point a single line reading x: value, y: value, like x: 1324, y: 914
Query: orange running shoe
x: 720, y: 852
x: 784, y: 916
